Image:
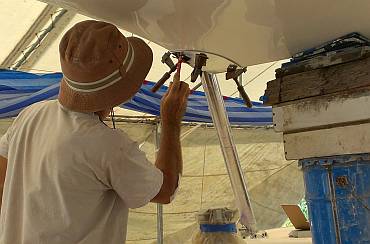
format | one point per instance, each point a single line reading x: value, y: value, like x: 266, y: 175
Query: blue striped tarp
x: 20, y: 89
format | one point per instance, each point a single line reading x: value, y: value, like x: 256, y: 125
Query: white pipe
x: 221, y: 122
x: 159, y: 206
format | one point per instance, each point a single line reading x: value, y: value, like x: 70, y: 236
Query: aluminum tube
x: 36, y: 44
x: 221, y: 122
x: 159, y: 206
x: 159, y: 223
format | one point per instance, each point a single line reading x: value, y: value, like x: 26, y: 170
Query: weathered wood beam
x: 323, y: 112
x: 319, y: 82
x: 351, y: 139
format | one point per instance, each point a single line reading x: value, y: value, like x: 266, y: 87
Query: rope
x: 255, y: 77
x: 186, y: 133
x: 287, y: 165
x: 244, y: 171
x: 146, y: 139
x: 192, y: 212
x: 264, y: 206
x: 143, y: 239
x: 169, y: 213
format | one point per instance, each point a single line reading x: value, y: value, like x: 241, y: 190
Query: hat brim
x: 116, y: 94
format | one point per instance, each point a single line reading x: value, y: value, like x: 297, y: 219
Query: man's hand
x: 173, y: 105
x: 169, y: 158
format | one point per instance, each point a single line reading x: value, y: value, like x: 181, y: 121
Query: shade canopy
x: 21, y: 89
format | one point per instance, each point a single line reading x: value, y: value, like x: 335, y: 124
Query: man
x: 70, y: 178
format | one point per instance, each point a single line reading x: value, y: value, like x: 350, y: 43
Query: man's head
x: 101, y: 67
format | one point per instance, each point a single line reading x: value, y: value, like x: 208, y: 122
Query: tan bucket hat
x: 101, y: 67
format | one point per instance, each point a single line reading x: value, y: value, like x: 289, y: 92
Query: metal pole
x: 159, y: 206
x: 221, y: 122
x: 37, y: 43
x: 29, y: 36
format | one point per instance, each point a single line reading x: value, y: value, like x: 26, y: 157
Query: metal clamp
x: 200, y: 61
x: 233, y: 73
x: 166, y: 59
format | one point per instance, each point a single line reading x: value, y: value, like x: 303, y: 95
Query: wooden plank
x: 329, y: 80
x: 346, y: 55
x: 278, y: 118
x: 329, y: 142
x: 272, y: 92
x: 323, y: 112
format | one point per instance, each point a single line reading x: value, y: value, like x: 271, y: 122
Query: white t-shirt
x: 70, y: 179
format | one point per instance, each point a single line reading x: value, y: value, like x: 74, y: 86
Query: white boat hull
x: 246, y: 32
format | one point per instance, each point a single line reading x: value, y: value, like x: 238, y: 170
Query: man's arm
x: 169, y: 157
x: 169, y: 161
x: 3, y: 165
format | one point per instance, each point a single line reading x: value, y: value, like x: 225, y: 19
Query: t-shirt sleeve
x: 4, y: 144
x: 5, y: 139
x: 133, y: 177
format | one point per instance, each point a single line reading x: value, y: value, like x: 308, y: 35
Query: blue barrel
x: 338, y: 198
